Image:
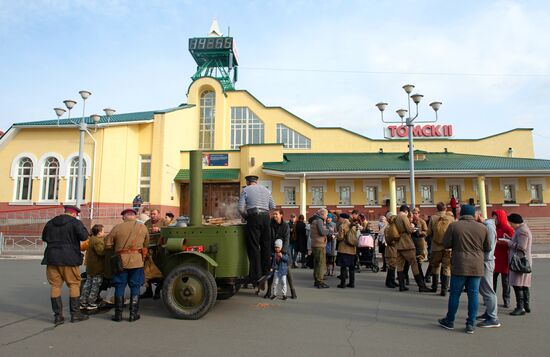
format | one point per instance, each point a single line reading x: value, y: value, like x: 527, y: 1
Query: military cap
x: 128, y: 210
x: 70, y: 208
x: 251, y: 178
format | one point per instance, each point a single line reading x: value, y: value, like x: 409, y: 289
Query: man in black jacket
x: 62, y: 258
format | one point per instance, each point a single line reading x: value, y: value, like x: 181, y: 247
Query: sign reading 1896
x: 419, y: 131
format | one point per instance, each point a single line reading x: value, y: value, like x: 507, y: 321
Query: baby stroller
x: 366, y: 254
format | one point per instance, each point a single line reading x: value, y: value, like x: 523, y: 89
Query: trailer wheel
x: 189, y: 292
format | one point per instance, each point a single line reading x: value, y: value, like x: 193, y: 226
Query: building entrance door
x: 219, y: 199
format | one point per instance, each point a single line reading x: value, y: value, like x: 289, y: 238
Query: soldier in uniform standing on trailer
x: 254, y: 205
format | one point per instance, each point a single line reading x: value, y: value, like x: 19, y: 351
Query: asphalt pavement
x: 368, y: 320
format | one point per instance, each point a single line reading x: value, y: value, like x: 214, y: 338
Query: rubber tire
x: 375, y: 268
x: 208, y: 284
x: 227, y: 291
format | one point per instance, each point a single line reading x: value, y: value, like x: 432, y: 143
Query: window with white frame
x: 291, y: 139
x: 145, y: 177
x: 290, y: 195
x: 23, y: 186
x: 207, y: 120
x: 344, y: 195
x: 536, y: 193
x: 246, y: 127
x: 317, y: 196
x: 73, y: 180
x: 371, y: 193
x: 509, y: 191
x: 454, y: 190
x: 50, y: 180
x: 400, y: 193
x: 427, y: 194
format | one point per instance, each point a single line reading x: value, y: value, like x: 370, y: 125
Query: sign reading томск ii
x: 419, y: 131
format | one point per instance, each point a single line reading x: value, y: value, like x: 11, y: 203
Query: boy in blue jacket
x: 279, y: 267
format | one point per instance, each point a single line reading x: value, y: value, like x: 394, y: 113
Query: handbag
x: 116, y: 260
x: 519, y: 265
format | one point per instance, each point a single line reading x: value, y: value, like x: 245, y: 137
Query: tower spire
x: 215, y: 29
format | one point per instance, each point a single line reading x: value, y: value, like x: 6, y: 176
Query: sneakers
x: 482, y: 317
x: 321, y: 285
x: 91, y: 307
x: 489, y: 323
x: 470, y: 329
x: 446, y: 324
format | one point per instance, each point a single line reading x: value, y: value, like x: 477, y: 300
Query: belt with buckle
x: 257, y: 211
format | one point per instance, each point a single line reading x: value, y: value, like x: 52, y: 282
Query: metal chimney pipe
x: 195, y: 187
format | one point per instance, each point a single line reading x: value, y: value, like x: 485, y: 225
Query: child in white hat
x: 279, y: 266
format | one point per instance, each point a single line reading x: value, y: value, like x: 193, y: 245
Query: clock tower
x: 216, y: 57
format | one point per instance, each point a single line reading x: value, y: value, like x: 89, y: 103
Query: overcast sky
x: 328, y: 62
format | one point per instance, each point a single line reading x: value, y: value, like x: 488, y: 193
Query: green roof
x: 117, y: 118
x: 434, y: 161
x: 211, y: 175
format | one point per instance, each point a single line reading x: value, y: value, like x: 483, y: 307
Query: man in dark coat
x: 469, y: 241
x: 62, y: 258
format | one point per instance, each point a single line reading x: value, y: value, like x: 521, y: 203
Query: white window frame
x: 245, y: 122
x: 377, y: 184
x: 19, y: 181
x: 430, y: 189
x: 536, y: 181
x: 72, y: 178
x: 207, y: 124
x: 289, y: 191
x: 46, y: 178
x: 404, y: 190
x: 295, y: 184
x: 144, y: 181
x: 509, y: 182
x: 314, y: 189
x: 291, y: 139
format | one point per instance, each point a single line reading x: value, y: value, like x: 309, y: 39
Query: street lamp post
x: 83, y: 129
x: 409, y: 122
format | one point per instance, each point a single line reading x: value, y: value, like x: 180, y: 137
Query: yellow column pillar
x: 393, y: 195
x: 482, y: 197
x: 303, y: 192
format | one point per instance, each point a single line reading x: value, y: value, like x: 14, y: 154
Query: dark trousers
x: 505, y: 286
x: 134, y: 278
x: 258, y: 244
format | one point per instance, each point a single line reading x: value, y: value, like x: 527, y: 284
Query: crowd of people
x: 464, y: 254
x: 130, y: 264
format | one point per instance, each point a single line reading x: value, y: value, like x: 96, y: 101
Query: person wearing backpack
x: 347, y: 239
x: 441, y: 257
x: 406, y: 251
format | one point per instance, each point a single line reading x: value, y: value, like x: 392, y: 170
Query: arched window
x: 246, y: 127
x: 50, y: 180
x: 206, y: 129
x: 73, y: 179
x: 23, y: 188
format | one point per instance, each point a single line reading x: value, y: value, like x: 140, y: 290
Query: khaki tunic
x: 159, y: 224
x: 405, y: 229
x: 432, y: 230
x: 343, y: 247
x: 95, y: 256
x: 136, y: 237
x: 421, y: 240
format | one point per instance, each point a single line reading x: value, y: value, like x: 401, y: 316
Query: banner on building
x: 215, y: 160
x: 426, y: 131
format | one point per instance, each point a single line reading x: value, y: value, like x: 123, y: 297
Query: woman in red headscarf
x: 501, y: 254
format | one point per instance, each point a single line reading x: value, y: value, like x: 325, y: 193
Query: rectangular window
x: 372, y: 195
x: 536, y: 193
x: 291, y: 139
x: 290, y: 195
x: 509, y: 193
x: 400, y: 195
x: 344, y: 194
x: 145, y: 177
x: 246, y: 127
x: 427, y: 194
x: 454, y: 190
x: 317, y: 196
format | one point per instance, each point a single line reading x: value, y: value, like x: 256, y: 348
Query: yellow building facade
x: 304, y: 166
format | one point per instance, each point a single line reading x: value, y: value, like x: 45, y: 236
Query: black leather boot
x: 428, y: 275
x: 520, y: 302
x: 390, y: 279
x: 351, y: 278
x: 401, y: 278
x: 134, y: 308
x: 435, y: 281
x: 57, y: 308
x: 158, y: 289
x: 148, y: 292
x: 119, y: 303
x: 406, y: 273
x: 422, y: 288
x: 526, y: 299
x: 343, y: 274
x: 444, y: 285
x: 74, y: 306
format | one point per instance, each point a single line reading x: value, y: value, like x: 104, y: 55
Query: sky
x: 326, y: 61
